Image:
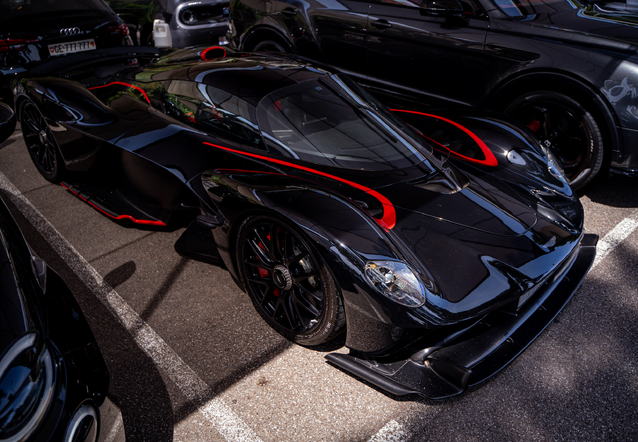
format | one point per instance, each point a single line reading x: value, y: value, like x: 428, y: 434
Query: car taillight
x: 120, y: 29
x: 14, y: 44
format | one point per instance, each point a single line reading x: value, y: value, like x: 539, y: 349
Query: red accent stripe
x: 139, y: 89
x: 490, y: 159
x: 120, y: 217
x: 205, y: 51
x: 389, y: 214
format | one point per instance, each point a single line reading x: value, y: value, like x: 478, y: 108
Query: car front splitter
x: 484, y: 350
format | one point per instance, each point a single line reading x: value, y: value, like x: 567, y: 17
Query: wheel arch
x: 263, y: 32
x: 329, y: 242
x: 579, y: 89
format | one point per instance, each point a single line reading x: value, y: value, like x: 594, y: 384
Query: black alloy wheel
x: 288, y: 281
x: 566, y: 128
x: 40, y: 142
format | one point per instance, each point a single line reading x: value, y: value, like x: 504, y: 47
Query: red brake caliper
x: 534, y: 125
x: 263, y: 272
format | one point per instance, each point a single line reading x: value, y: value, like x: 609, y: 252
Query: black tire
x: 288, y: 282
x: 269, y: 46
x: 40, y: 142
x: 566, y: 128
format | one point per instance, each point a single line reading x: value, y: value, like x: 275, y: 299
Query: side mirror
x: 7, y: 122
x: 442, y: 7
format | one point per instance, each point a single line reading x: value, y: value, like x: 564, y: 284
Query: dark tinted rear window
x: 29, y: 9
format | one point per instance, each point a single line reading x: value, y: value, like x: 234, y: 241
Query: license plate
x: 72, y: 47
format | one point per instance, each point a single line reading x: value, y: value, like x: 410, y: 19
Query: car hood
x: 484, y: 245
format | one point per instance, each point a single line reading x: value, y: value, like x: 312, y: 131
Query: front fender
x: 344, y: 235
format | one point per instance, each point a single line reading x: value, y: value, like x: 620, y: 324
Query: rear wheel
x: 40, y: 142
x: 288, y: 282
x: 566, y: 128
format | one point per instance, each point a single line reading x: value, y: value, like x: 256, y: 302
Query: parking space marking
x: 618, y: 234
x: 115, y: 428
x: 223, y: 419
x: 391, y: 432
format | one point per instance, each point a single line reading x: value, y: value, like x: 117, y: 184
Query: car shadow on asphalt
x: 614, y: 191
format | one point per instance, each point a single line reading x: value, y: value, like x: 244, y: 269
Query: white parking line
x: 223, y: 419
x: 391, y: 432
x: 115, y: 428
x: 614, y: 238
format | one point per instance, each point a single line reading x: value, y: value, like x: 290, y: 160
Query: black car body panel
x: 465, y: 200
x: 53, y: 377
x: 481, y: 53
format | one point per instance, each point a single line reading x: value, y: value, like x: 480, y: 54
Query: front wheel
x: 40, y: 142
x: 288, y: 282
x: 565, y: 127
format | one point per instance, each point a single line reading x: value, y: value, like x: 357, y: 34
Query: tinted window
x: 214, y: 111
x: 524, y: 8
x: 320, y: 122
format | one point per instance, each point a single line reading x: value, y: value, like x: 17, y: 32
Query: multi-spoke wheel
x: 288, y: 281
x: 40, y: 142
x: 566, y: 128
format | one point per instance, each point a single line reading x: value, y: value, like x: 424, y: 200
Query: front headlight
x: 395, y: 280
x: 554, y: 166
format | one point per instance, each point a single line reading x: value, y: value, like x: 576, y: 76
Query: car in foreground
x: 441, y: 243
x: 567, y: 70
x: 31, y: 31
x: 52, y: 375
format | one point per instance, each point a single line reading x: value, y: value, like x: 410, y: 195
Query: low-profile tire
x: 568, y: 129
x: 288, y: 281
x: 269, y: 45
x: 40, y: 142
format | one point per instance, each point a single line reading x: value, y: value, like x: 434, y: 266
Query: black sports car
x: 31, y: 31
x: 442, y: 244
x: 52, y: 375
x: 565, y: 69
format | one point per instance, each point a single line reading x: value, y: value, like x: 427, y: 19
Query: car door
x: 339, y: 29
x: 441, y: 55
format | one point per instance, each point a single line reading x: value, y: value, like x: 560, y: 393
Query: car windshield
x: 22, y: 10
x: 324, y: 122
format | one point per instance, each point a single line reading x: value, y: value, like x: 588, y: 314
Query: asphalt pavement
x: 191, y: 360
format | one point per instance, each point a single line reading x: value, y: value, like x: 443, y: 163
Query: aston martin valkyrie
x: 440, y: 243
